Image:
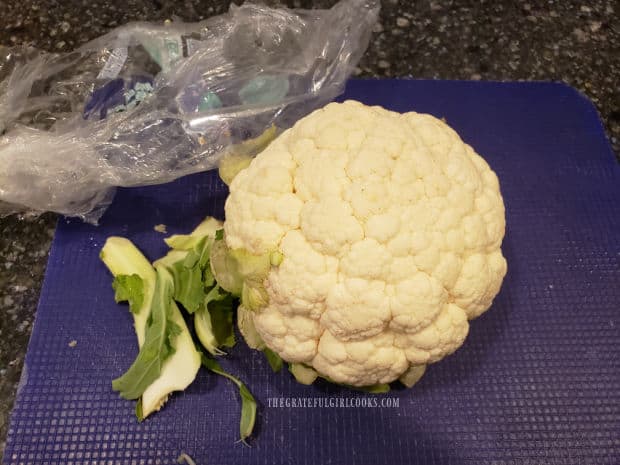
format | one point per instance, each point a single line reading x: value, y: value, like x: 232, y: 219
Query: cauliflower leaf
x: 129, y: 288
x: 248, y: 403
x: 158, y: 342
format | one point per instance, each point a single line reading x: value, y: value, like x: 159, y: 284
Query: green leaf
x: 203, y: 249
x: 412, y: 375
x: 303, y: 374
x: 275, y: 361
x: 239, y: 156
x: 221, y: 311
x: 231, y: 165
x: 182, y: 241
x: 188, y: 241
x: 139, y: 413
x: 189, y: 270
x: 242, y: 273
x: 173, y: 330
x: 254, y: 295
x: 219, y: 234
x: 158, y: 342
x: 191, y: 259
x: 183, y: 360
x: 188, y: 287
x: 245, y: 323
x: 215, y: 293
x: 225, y: 268
x: 248, y: 403
x: 214, y: 322
x: 129, y: 288
x: 374, y: 389
x: 184, y: 458
x: 207, y: 278
x: 204, y: 331
x: 121, y: 256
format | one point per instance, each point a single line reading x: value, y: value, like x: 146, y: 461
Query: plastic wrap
x: 146, y: 104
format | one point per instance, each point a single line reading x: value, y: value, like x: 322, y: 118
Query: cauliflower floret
x: 390, y: 228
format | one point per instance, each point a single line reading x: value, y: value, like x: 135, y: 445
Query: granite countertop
x: 577, y: 42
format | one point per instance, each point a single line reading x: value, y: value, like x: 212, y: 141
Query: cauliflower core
x: 390, y: 228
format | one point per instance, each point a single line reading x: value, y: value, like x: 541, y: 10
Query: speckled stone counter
x: 570, y: 41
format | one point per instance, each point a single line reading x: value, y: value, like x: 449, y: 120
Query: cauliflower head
x: 389, y: 228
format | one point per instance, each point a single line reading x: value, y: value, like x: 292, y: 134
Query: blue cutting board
x: 537, y: 381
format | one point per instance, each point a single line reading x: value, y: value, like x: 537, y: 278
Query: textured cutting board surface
x: 536, y: 382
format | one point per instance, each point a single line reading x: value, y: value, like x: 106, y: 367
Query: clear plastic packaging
x: 146, y: 104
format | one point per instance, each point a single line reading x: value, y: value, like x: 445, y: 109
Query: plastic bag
x: 146, y: 104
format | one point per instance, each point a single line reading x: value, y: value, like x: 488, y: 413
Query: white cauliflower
x: 389, y: 228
